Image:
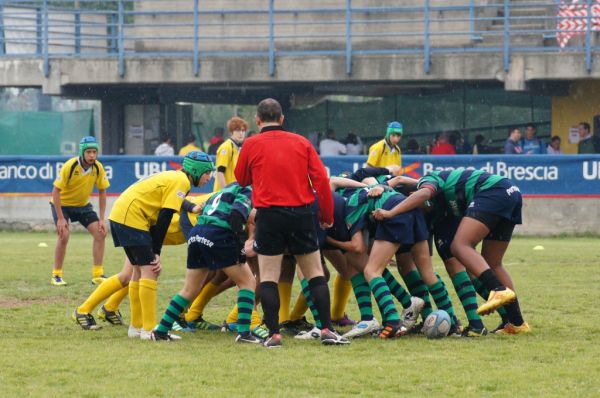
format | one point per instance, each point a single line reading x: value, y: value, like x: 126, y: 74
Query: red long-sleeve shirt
x: 283, y: 169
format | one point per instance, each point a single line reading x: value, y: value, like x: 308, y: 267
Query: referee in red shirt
x: 285, y: 172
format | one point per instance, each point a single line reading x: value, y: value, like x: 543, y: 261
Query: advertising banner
x: 536, y: 176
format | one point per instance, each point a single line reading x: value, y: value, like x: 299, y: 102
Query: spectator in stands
x: 531, y: 144
x: 190, y: 146
x: 588, y: 143
x: 456, y: 139
x: 354, y: 145
x: 330, y: 146
x: 412, y: 147
x: 512, y: 145
x: 216, y: 140
x: 442, y: 146
x: 480, y: 148
x: 554, y: 146
x: 166, y: 148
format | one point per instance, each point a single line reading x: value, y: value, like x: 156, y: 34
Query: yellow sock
x: 110, y: 286
x: 148, y: 289
x: 256, y: 320
x: 135, y: 305
x: 113, y: 302
x: 285, y: 295
x: 197, y: 308
x: 97, y: 271
x: 233, y: 315
x: 341, y: 293
x: 57, y: 272
x: 299, y: 308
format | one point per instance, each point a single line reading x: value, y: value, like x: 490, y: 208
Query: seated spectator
x: 216, y: 140
x: 480, y: 148
x: 457, y: 140
x: 354, y: 145
x: 166, y: 148
x: 412, y: 147
x: 512, y: 145
x: 330, y: 146
x: 554, y: 146
x: 442, y: 146
x: 531, y: 144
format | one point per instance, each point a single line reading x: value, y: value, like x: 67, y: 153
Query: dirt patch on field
x: 6, y: 302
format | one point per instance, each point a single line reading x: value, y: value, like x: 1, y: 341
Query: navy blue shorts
x: 339, y: 230
x: 212, y: 247
x: 137, y: 243
x: 85, y: 215
x: 503, y: 200
x: 406, y: 228
x: 443, y: 234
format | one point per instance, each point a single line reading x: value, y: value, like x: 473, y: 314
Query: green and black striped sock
x: 362, y: 292
x: 442, y: 300
x: 468, y: 299
x: 245, y: 302
x: 384, y: 300
x: 177, y: 305
x: 310, y: 303
x: 484, y: 294
x: 417, y: 288
x: 396, y: 289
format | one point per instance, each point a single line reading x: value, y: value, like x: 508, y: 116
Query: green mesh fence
x: 43, y: 133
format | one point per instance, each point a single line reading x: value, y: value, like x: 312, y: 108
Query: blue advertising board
x: 537, y: 175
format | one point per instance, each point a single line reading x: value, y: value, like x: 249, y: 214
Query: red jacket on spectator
x: 443, y: 148
x: 284, y: 170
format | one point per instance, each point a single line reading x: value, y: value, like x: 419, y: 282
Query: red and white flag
x: 573, y: 19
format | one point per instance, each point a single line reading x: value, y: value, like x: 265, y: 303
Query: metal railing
x: 269, y: 29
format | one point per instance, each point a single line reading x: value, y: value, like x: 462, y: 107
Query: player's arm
x: 355, y: 245
x: 221, y: 176
x: 336, y: 183
x: 62, y: 227
x: 412, y: 202
x: 159, y: 230
x: 102, y: 210
x: 320, y: 182
x: 407, y: 182
x: 251, y: 228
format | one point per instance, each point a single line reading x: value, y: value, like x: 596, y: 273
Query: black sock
x: 490, y: 281
x: 513, y: 313
x: 270, y: 305
x: 320, y: 294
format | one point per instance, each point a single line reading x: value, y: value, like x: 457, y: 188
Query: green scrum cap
x: 394, y: 128
x: 197, y: 163
x: 86, y: 143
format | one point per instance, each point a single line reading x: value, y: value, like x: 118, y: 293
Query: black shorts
x: 137, y: 243
x: 85, y: 215
x: 281, y: 228
x: 212, y: 247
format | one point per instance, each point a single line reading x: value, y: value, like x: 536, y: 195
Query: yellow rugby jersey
x: 174, y: 233
x: 227, y: 156
x: 139, y: 205
x: 381, y: 155
x: 77, y: 184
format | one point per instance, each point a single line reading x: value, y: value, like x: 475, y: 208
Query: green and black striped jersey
x: 219, y: 206
x: 455, y: 189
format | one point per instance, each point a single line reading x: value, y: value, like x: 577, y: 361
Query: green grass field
x: 43, y: 353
